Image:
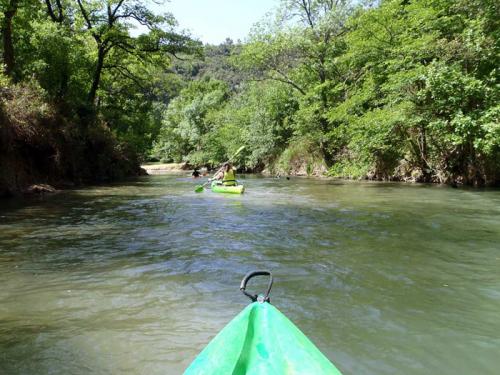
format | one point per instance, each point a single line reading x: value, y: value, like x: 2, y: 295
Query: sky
x: 212, y: 21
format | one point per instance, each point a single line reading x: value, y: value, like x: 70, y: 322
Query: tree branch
x: 60, y: 10
x: 51, y: 11
x: 113, y: 14
x: 124, y: 71
x: 287, y: 80
x: 85, y: 15
x: 306, y: 6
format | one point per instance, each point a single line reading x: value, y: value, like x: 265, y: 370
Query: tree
x: 107, y: 22
x: 419, y: 85
x: 9, y: 10
x: 300, y: 50
x: 189, y: 124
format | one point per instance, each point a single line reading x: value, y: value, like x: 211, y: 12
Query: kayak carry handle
x: 255, y: 297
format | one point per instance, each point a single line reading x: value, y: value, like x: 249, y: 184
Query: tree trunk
x: 97, y: 74
x: 8, y: 45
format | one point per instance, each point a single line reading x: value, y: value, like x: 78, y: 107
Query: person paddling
x: 226, y: 175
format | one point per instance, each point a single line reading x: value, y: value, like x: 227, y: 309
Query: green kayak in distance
x: 219, y: 188
x: 260, y: 340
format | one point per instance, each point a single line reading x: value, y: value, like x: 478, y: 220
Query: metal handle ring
x: 252, y: 274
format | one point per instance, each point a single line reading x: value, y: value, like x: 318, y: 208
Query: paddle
x: 200, y: 188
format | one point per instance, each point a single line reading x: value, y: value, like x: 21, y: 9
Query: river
x: 136, y: 278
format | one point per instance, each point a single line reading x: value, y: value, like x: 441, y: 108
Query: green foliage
x: 81, y: 87
x: 404, y: 90
x: 263, y: 114
x: 424, y: 80
x: 188, y: 121
x: 4, y: 81
x: 205, y: 124
x: 59, y: 59
x: 401, y: 90
x: 83, y: 56
x: 301, y: 156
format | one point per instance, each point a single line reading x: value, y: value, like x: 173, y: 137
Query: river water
x: 136, y: 278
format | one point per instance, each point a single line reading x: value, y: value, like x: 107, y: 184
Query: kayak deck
x: 261, y: 340
x: 219, y: 188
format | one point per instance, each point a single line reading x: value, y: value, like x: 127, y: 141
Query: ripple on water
x: 137, y: 277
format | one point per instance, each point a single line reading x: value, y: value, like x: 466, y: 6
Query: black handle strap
x: 255, y: 297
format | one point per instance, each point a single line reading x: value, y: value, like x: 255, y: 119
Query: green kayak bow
x: 260, y: 340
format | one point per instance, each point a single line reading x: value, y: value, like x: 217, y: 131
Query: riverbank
x: 305, y: 165
x: 43, y: 147
x: 165, y: 168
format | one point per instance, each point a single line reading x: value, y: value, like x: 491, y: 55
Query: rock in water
x: 40, y: 189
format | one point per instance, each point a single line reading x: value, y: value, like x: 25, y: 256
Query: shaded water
x: 136, y: 278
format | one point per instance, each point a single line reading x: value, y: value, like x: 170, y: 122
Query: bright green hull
x: 261, y: 340
x: 238, y: 189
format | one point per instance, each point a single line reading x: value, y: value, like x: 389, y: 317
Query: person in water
x: 195, y: 173
x: 227, y: 175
